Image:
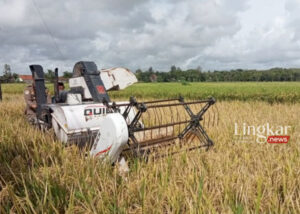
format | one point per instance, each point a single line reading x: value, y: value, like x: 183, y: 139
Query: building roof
x: 25, y: 77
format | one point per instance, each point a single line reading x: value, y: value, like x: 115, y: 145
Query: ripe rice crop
x: 40, y: 175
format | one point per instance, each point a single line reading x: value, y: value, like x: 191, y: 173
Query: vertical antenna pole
x: 56, y: 91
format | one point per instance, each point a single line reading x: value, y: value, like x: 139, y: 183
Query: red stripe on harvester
x: 105, y: 150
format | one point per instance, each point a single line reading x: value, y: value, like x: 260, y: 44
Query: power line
x: 47, y: 28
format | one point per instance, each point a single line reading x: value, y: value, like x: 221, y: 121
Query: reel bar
x: 178, y: 104
x: 157, y: 141
x: 161, y: 101
x: 132, y: 100
x: 166, y: 122
x: 160, y: 126
x: 161, y: 105
x: 150, y: 143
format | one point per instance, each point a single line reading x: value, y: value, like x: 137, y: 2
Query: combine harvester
x: 86, y: 116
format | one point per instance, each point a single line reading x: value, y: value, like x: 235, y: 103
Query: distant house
x: 25, y: 78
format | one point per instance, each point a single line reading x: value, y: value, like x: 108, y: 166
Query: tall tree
x: 7, y: 75
x: 7, y: 69
x: 50, y: 75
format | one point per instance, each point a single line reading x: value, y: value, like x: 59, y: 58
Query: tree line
x: 50, y: 75
x: 176, y: 74
x: 8, y: 76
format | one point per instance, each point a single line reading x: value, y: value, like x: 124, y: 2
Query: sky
x: 212, y: 34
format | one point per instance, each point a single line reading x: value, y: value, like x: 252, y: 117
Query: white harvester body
x: 75, y: 123
x: 111, y: 138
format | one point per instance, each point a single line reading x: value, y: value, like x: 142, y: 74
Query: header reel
x: 162, y: 123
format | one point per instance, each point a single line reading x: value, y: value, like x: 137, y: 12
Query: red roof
x: 25, y: 77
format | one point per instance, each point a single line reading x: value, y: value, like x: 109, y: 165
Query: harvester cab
x: 88, y: 118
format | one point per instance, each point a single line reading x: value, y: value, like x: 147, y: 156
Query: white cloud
x: 215, y: 34
x: 12, y: 12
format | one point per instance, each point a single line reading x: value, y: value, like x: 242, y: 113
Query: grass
x: 40, y: 175
x: 244, y: 91
x: 270, y: 92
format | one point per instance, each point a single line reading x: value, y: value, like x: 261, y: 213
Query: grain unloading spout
x: 117, y: 78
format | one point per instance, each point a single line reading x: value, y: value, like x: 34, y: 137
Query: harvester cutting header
x: 86, y: 116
